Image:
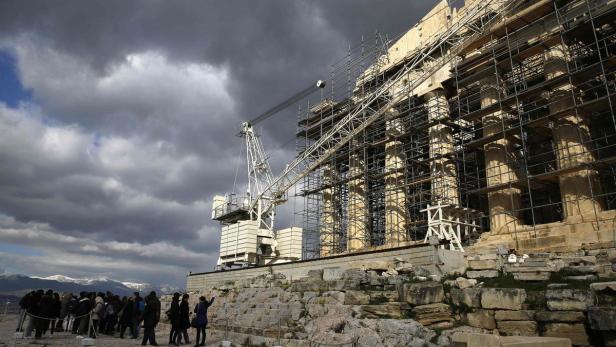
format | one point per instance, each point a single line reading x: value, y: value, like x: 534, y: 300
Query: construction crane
x: 230, y: 210
x: 266, y: 192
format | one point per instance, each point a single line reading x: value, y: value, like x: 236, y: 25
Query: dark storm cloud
x: 136, y: 104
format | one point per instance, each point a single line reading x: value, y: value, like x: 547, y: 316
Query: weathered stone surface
x: 582, y: 278
x: 389, y: 310
x: 423, y: 293
x: 531, y: 276
x: 481, y: 319
x: 332, y: 273
x: 381, y: 296
x: 405, y: 268
x: 336, y: 295
x: 575, y: 332
x: 355, y: 297
x: 503, y: 298
x: 514, y: 315
x: 559, y: 316
x: 464, y: 283
x: 603, y: 286
x: 484, y: 264
x: 518, y: 327
x: 482, y: 274
x: 404, y: 332
x: 534, y: 341
x: 432, y: 313
x: 568, y: 299
x: 602, y: 318
x: 470, y: 297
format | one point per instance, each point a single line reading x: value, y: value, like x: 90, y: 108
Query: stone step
x: 512, y: 269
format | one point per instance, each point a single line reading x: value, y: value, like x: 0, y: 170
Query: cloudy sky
x: 117, y: 120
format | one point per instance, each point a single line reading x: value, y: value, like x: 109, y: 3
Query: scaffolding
x: 516, y: 136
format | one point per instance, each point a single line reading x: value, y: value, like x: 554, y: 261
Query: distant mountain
x: 20, y: 284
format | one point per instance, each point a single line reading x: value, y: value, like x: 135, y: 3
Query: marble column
x: 357, y: 230
x: 571, y: 135
x: 395, y: 192
x: 500, y: 170
x: 444, y: 184
x: 329, y: 217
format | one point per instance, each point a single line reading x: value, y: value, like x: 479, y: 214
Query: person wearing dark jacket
x: 72, y: 308
x: 33, y: 310
x: 138, y: 307
x: 45, y: 312
x: 174, y: 319
x: 83, y: 311
x: 56, y: 308
x: 24, y: 304
x: 126, y: 317
x: 184, y: 319
x: 201, y: 319
x: 151, y: 316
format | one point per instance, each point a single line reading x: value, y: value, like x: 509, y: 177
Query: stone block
x: 389, y: 310
x: 484, y: 264
x: 470, y: 297
x: 503, y: 298
x: 355, y: 297
x: 533, y: 341
x: 481, y: 319
x: 559, y: 316
x: 332, y: 273
x: 481, y: 274
x: 575, y: 332
x: 424, y: 293
x: 582, y: 278
x: 568, y: 299
x: 517, y: 327
x: 514, y: 315
x: 480, y: 340
x: 464, y: 283
x: 381, y: 296
x: 602, y: 318
x: 432, y: 313
x: 532, y: 276
x: 336, y: 295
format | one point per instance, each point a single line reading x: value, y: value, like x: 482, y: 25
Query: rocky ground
x: 7, y: 330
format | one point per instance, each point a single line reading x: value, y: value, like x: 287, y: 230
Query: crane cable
x: 293, y: 99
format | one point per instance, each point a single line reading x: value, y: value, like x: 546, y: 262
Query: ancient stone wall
x: 400, y: 304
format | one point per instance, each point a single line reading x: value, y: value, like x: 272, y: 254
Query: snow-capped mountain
x: 19, y: 284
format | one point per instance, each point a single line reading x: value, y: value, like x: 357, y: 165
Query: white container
x: 19, y: 335
x: 87, y: 341
x: 226, y: 343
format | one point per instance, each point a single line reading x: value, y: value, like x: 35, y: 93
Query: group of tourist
x: 90, y: 314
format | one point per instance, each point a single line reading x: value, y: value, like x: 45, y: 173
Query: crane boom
x: 450, y: 42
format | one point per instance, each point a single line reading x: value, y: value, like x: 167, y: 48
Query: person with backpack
x: 200, y: 321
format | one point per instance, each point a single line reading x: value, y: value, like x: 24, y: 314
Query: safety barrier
x: 66, y: 335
